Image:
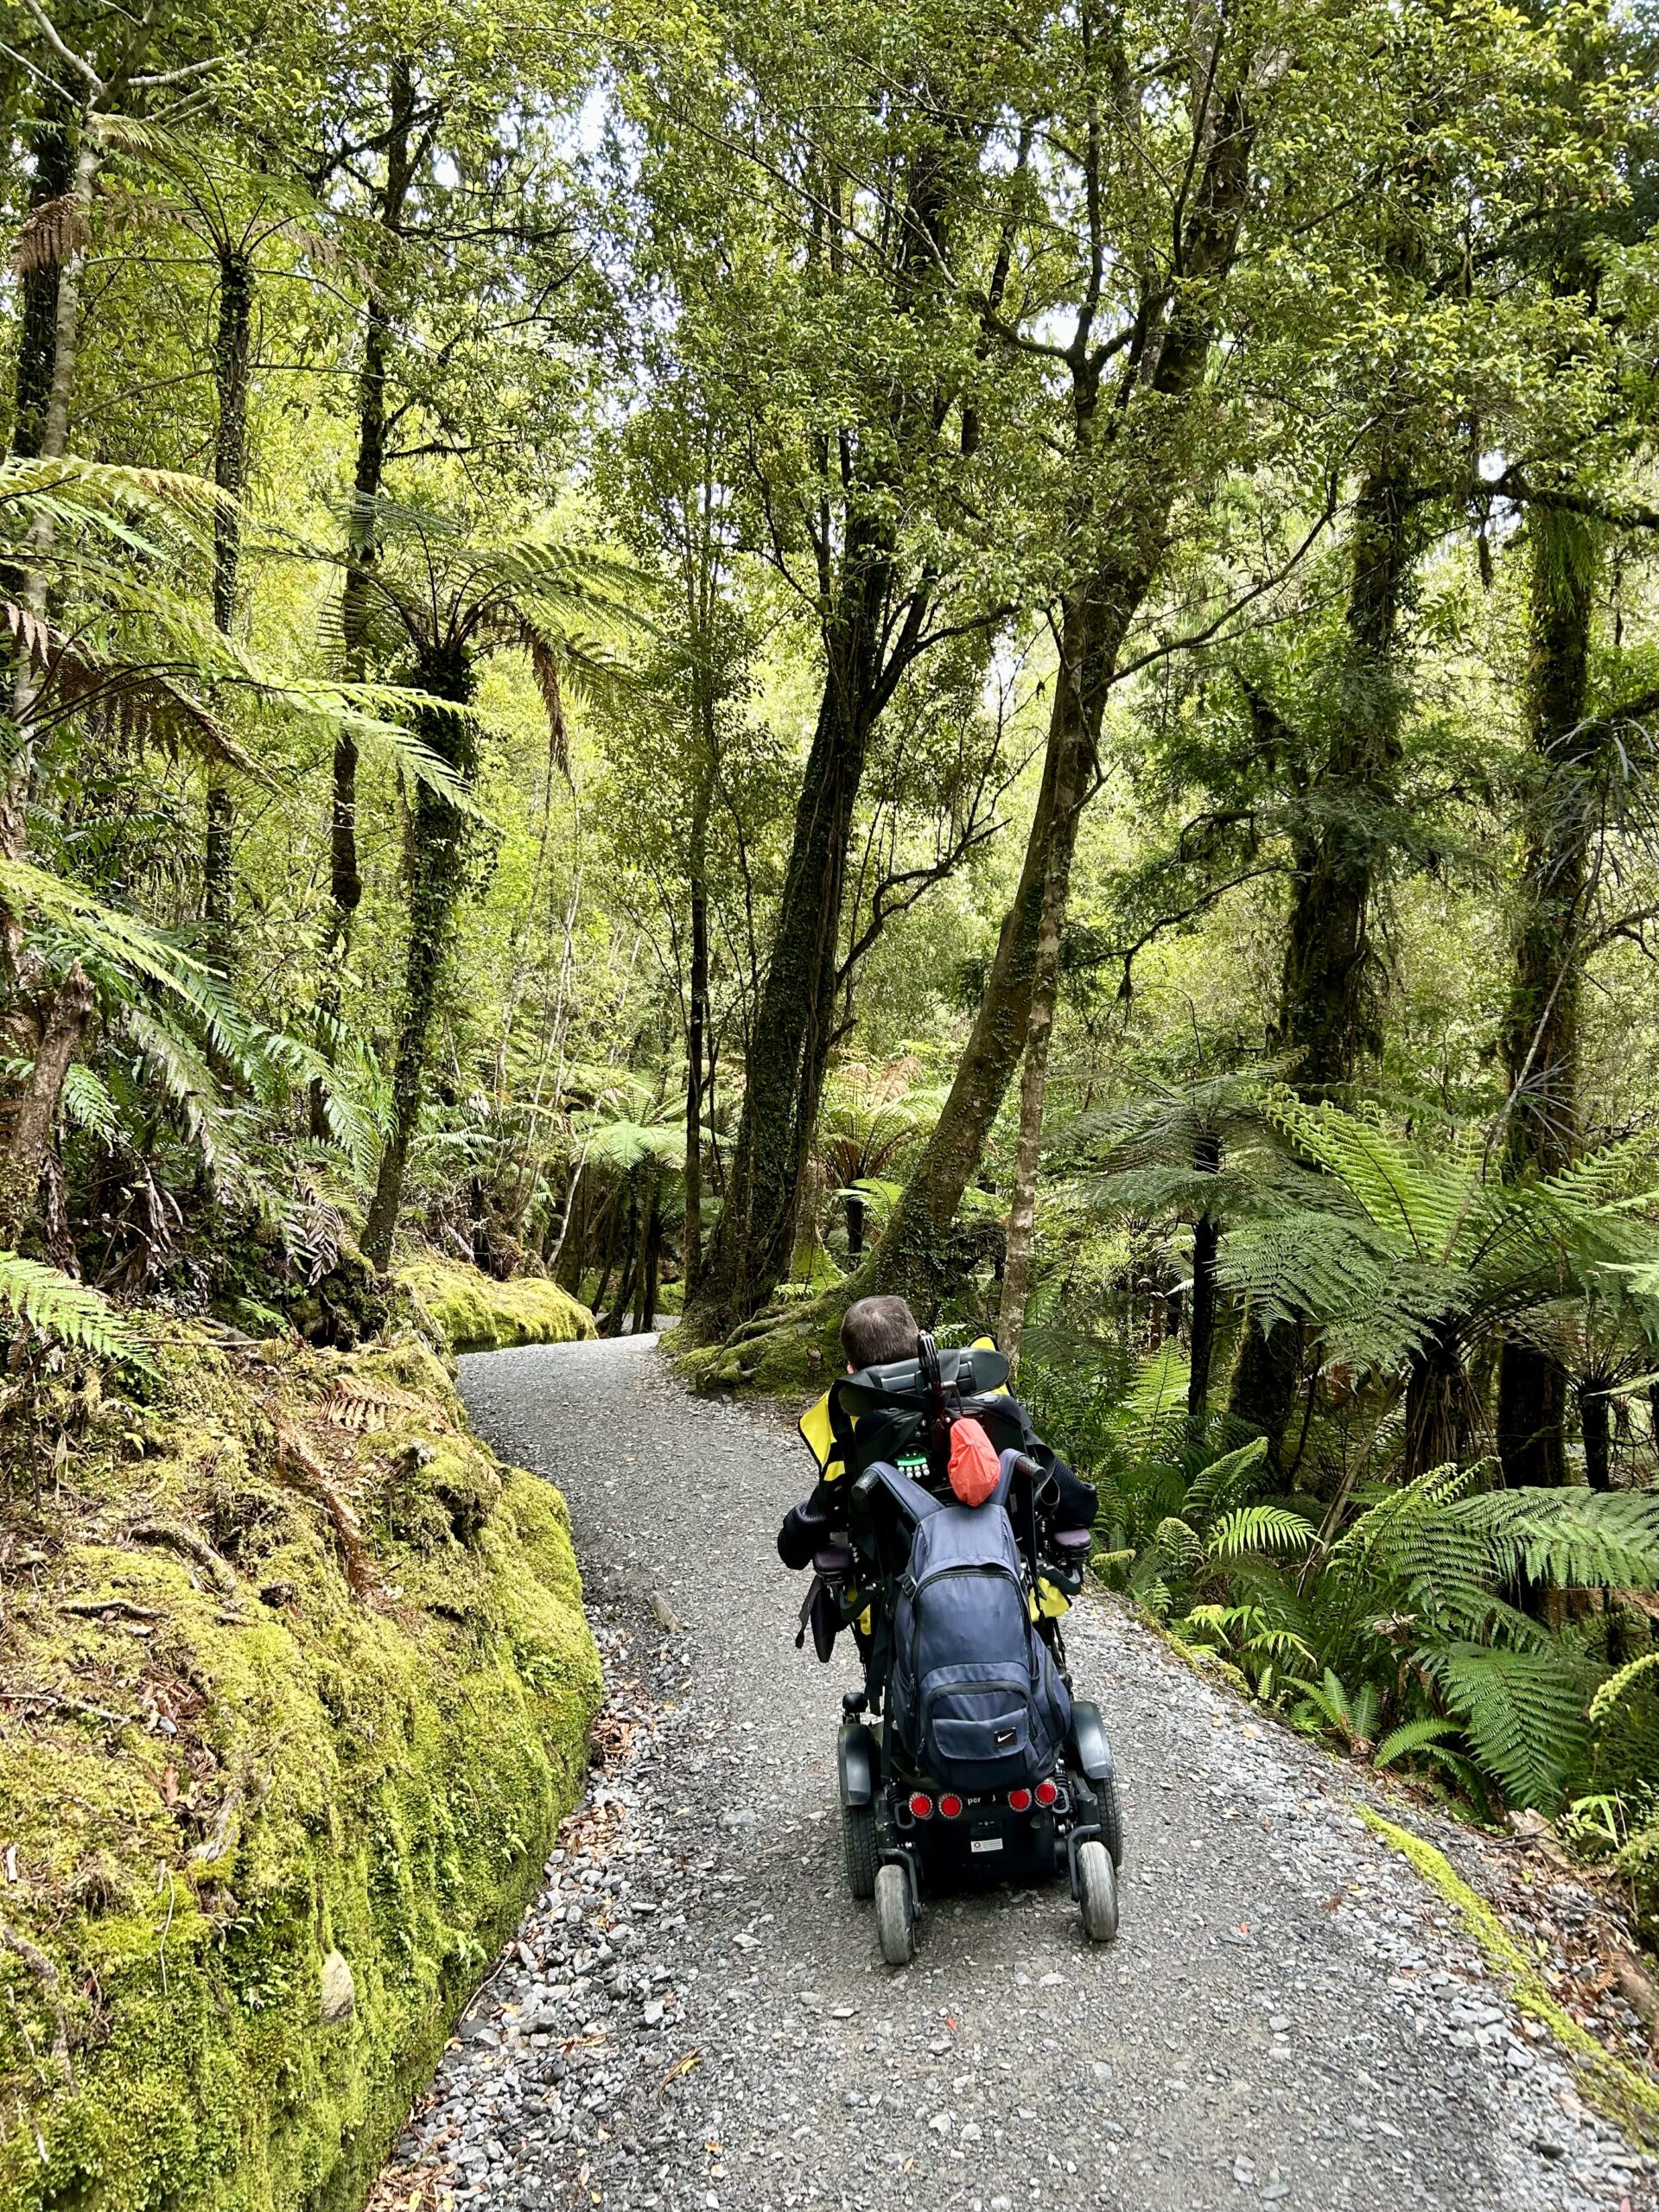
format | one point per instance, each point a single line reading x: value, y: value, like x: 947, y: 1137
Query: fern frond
x: 1412, y: 1736
x: 1259, y: 1529
x: 1570, y: 1538
x: 1523, y: 1713
x: 57, y: 1305
x: 1225, y: 1481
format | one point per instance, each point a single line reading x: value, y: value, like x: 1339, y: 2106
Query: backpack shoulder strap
x: 912, y: 1499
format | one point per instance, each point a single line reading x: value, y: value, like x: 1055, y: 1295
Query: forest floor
x: 695, y: 2014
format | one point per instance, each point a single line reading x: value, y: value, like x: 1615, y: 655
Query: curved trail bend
x: 695, y: 2015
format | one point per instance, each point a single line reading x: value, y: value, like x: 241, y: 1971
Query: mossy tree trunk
x: 38, y: 284
x: 34, y: 1113
x: 1040, y: 1026
x: 1540, y: 1031
x: 232, y: 369
x: 1327, y: 1018
x: 17, y: 771
x: 789, y: 1045
x: 344, y: 877
x: 440, y: 861
x: 54, y: 173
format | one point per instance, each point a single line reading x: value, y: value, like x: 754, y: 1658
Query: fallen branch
x: 217, y: 1842
x: 195, y: 1547
x: 60, y: 1703
x: 123, y: 1606
x: 46, y: 1974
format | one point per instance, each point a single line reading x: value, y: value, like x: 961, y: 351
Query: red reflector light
x: 1020, y: 1800
x: 951, y: 1807
x: 1047, y: 1793
x: 922, y: 1806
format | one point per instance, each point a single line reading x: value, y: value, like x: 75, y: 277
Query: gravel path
x: 695, y: 2014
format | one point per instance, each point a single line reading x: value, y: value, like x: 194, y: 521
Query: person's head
x: 877, y: 1330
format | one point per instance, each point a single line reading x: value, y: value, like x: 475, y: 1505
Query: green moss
x: 792, y: 1354
x: 473, y: 1312
x: 1607, y: 2082
x: 301, y: 1767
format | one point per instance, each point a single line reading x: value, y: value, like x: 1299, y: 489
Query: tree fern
x: 57, y: 1305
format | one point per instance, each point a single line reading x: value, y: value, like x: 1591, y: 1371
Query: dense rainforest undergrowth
x: 694, y: 661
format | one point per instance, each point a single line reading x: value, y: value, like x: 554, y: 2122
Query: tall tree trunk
x: 37, y: 333
x: 1540, y: 1031
x: 232, y: 368
x: 645, y: 1278
x: 1040, y: 1026
x: 17, y: 779
x: 697, y: 1022
x: 1206, y: 1251
x: 1327, y: 1020
x: 440, y: 866
x: 912, y: 1257
x: 789, y: 1045
x: 345, y: 881
x: 36, y: 351
x: 34, y: 1113
x: 1326, y: 1017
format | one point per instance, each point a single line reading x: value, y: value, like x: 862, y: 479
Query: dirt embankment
x: 294, y: 1688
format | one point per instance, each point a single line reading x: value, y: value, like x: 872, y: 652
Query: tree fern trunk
x: 1595, y: 1417
x: 439, y: 866
x: 232, y: 371
x: 1540, y: 1032
x: 1206, y: 1250
x: 345, y: 879
x: 1262, y: 1390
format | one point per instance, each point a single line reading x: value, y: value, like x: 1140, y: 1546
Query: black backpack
x: 975, y: 1697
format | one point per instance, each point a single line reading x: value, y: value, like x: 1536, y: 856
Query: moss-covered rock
x: 473, y: 1312
x: 296, y: 1687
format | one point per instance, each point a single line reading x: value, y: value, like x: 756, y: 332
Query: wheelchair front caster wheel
x: 895, y: 1916
x: 1097, y: 1892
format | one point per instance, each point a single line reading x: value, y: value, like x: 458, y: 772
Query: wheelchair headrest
x: 971, y: 1371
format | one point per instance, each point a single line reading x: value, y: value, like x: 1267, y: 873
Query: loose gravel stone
x: 1288, y: 2017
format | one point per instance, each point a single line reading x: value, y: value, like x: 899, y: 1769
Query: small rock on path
x: 694, y: 2016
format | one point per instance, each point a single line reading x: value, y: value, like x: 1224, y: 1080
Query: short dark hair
x: 875, y: 1330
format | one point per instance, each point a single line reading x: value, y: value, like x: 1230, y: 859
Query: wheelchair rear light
x: 1019, y: 1800
x: 1047, y: 1792
x: 951, y: 1807
x: 921, y: 1805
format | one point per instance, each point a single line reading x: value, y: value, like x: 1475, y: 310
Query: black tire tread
x: 858, y: 1849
